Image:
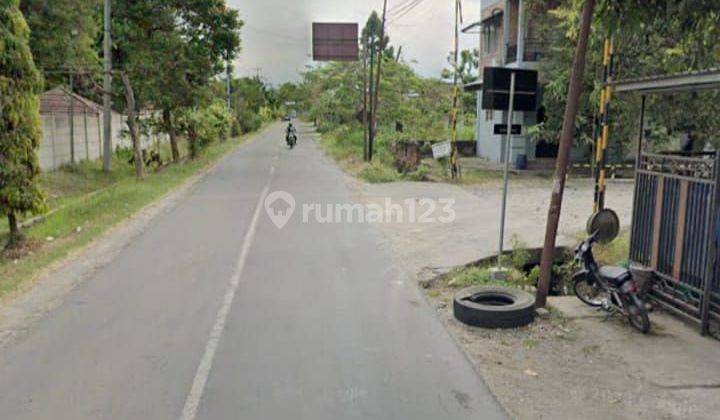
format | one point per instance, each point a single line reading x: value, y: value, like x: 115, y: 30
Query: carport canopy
x: 670, y: 83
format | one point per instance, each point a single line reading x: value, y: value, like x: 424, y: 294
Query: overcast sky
x: 277, y: 33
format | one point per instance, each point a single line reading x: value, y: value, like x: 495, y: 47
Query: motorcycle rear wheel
x: 638, y: 318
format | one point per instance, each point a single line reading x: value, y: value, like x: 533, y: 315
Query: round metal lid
x: 605, y: 224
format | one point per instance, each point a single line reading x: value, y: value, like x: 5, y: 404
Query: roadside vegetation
x: 166, y: 81
x: 524, y: 273
x: 410, y: 109
x: 650, y: 38
x: 85, y: 203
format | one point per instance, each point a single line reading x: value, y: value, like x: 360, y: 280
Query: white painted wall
x: 55, y: 147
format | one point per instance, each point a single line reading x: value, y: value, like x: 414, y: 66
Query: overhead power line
x: 400, y: 7
x: 403, y: 11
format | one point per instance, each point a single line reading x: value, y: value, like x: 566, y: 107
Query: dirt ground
x: 474, y: 233
x: 575, y: 364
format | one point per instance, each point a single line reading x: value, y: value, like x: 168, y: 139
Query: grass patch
x: 344, y: 144
x: 481, y: 276
x: 614, y: 253
x: 89, y: 202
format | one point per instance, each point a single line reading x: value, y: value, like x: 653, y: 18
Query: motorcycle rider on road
x: 290, y: 132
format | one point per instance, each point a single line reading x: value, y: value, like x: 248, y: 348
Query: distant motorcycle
x: 612, y: 289
x: 291, y: 139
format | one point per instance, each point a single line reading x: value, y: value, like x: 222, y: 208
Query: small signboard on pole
x: 442, y: 150
x: 501, y: 129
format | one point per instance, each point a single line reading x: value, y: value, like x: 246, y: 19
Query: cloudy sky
x: 277, y: 33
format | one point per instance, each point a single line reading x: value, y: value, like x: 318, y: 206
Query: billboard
x: 496, y: 89
x: 335, y: 41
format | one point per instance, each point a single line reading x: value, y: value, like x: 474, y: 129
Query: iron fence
x: 673, y: 232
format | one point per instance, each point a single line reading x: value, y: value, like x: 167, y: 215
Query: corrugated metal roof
x: 61, y: 101
x: 669, y: 83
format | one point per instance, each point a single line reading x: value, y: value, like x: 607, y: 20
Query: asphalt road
x: 215, y: 313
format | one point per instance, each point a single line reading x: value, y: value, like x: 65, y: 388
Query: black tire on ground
x: 494, y: 307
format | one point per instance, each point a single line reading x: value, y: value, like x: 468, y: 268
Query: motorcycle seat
x: 614, y: 275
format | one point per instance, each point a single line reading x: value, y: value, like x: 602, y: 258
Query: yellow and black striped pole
x: 454, y: 159
x: 602, y: 131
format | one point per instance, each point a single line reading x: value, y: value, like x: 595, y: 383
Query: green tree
x: 650, y: 38
x: 170, y: 51
x: 251, y: 95
x: 63, y: 35
x: 20, y: 83
x: 207, y: 38
x: 467, y: 74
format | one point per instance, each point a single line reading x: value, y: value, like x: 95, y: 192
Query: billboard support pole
x: 506, y: 173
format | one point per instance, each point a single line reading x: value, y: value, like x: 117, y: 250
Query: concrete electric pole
x: 107, y: 88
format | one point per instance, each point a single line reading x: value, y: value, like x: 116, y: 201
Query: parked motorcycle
x: 608, y: 288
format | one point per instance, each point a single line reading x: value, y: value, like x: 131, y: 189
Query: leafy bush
x: 220, y: 120
x: 205, y: 125
x: 378, y: 173
x: 267, y: 114
x: 471, y: 276
x: 249, y: 121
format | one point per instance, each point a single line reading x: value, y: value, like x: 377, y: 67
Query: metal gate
x: 673, y: 232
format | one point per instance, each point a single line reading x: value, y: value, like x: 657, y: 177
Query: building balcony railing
x: 534, y: 50
x: 511, y: 56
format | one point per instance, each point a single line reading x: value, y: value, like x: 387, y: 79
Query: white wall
x: 55, y: 147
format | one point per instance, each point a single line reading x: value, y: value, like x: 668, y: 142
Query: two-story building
x: 508, y: 38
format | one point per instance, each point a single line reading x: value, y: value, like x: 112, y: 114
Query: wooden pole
x: 566, y: 142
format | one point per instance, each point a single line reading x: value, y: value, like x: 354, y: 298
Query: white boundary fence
x: 88, y: 132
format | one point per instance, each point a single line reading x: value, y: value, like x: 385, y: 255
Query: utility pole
x: 370, y: 97
x: 73, y: 35
x: 228, y: 71
x: 365, y: 102
x: 381, y: 41
x: 72, y: 119
x: 107, y: 88
x: 454, y: 164
x: 566, y: 141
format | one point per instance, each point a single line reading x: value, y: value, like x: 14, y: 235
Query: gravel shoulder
x: 475, y: 231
